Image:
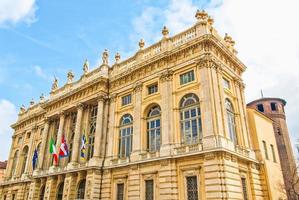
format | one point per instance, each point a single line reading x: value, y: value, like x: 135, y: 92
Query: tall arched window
x: 125, y: 136
x: 25, y: 156
x: 92, y: 130
x: 14, y: 162
x: 72, y: 134
x: 42, y: 192
x: 190, y: 119
x: 59, y: 195
x: 231, y: 121
x: 154, y: 129
x: 81, y: 189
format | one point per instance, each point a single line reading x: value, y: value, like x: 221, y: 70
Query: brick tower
x: 274, y: 109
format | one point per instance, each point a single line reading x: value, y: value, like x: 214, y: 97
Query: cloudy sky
x: 43, y: 39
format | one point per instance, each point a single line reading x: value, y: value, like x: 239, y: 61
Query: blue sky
x: 40, y: 39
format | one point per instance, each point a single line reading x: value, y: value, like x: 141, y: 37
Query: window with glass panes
x: 120, y: 191
x: 125, y: 100
x: 231, y: 121
x: 149, y: 190
x: 244, y: 188
x: 187, y: 77
x: 154, y: 129
x: 125, y: 136
x: 73, y: 118
x: 81, y: 190
x: 152, y: 88
x: 190, y: 119
x: 92, y: 129
x: 192, y: 189
x: 226, y: 84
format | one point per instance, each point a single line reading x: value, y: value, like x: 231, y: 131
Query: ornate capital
x: 166, y: 76
x: 102, y: 97
x: 80, y: 106
x: 113, y: 97
x: 137, y: 87
x: 208, y: 61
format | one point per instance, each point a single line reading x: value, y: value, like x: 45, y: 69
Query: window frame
x: 265, y: 149
x: 125, y: 136
x: 197, y: 186
x: 231, y: 121
x: 195, y: 122
x: 92, y: 123
x: 125, y: 102
x: 187, y: 77
x: 156, y: 130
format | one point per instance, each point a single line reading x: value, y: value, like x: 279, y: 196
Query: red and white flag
x: 64, y: 151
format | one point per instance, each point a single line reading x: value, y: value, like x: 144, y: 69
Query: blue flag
x: 34, y: 159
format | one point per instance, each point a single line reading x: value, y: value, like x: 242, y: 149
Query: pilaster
x: 42, y: 152
x: 136, y: 143
x: 167, y: 112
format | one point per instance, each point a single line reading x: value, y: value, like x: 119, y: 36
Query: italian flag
x: 53, y: 151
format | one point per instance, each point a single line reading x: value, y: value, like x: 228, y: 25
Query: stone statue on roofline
x: 70, y: 77
x: 105, y: 57
x: 86, y: 67
x: 55, y: 84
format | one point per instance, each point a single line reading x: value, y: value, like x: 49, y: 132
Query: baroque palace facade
x: 169, y: 122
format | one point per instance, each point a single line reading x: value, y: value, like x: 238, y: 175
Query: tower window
x: 273, y: 106
x: 260, y: 107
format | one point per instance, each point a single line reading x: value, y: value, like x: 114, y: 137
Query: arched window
x: 42, y: 192
x: 81, y: 189
x: 25, y: 156
x: 92, y: 130
x: 231, y: 121
x: 14, y: 162
x: 125, y: 136
x: 72, y: 134
x: 190, y: 119
x: 59, y: 195
x: 154, y: 129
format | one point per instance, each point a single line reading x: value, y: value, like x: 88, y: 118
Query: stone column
x: 111, y: 129
x: 41, y: 154
x: 167, y: 112
x: 59, y: 134
x: 77, y: 136
x: 206, y: 102
x: 136, y: 143
x: 95, y: 161
x: 30, y: 150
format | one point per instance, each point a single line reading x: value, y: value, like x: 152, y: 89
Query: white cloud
x: 40, y: 73
x: 8, y: 115
x: 266, y: 35
x: 13, y: 11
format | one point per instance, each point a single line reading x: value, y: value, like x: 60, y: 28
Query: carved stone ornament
x: 166, y: 75
x: 105, y: 57
x: 70, y: 77
x: 117, y: 58
x: 42, y: 98
x: 55, y: 84
x: 207, y: 61
x: 32, y: 102
x: 165, y: 32
x: 22, y: 109
x: 137, y: 87
x: 141, y: 44
x: 86, y: 66
x: 201, y: 15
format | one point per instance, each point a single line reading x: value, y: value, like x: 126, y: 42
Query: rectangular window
x: 273, y: 152
x: 20, y: 140
x: 192, y: 191
x: 125, y: 100
x: 226, y: 84
x: 149, y: 190
x: 273, y: 106
x: 120, y: 191
x: 265, y: 149
x: 92, y: 129
x: 28, y: 135
x: 244, y: 188
x: 187, y: 77
x: 152, y: 89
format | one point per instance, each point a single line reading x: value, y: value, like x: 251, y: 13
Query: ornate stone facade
x: 169, y: 122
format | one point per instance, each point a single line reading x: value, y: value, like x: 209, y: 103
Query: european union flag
x: 34, y: 159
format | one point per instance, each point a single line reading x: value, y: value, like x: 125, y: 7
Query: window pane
x: 149, y: 190
x: 158, y: 123
x: 120, y: 191
x: 187, y: 114
x: 192, y: 192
